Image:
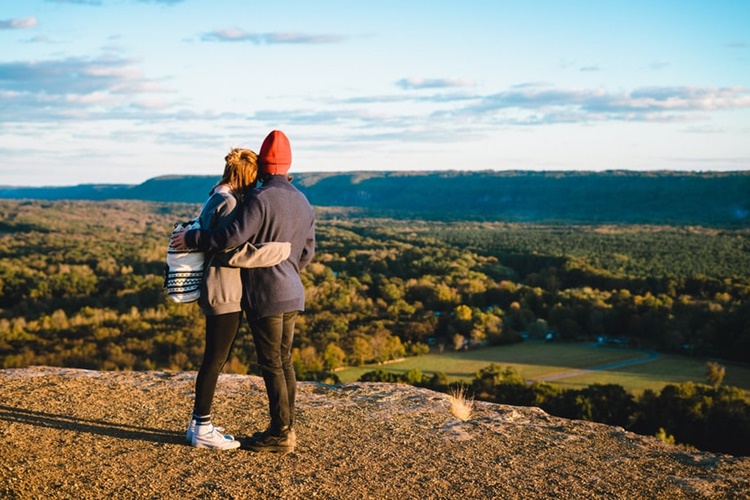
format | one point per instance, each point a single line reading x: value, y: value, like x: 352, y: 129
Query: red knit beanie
x: 275, y: 156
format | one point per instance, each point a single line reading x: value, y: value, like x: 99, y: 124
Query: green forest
x: 81, y: 285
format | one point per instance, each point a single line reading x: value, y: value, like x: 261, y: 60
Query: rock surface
x: 69, y: 433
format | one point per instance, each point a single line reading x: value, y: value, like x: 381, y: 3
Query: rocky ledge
x: 69, y: 433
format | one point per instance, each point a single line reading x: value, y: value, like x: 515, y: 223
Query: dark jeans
x: 273, y: 336
x: 221, y: 330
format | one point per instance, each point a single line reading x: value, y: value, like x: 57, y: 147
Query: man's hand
x: 178, y: 241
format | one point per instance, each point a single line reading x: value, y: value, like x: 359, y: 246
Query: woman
x: 221, y: 293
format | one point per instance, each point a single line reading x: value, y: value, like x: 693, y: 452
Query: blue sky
x: 120, y: 91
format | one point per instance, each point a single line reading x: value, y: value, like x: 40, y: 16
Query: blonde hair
x: 240, y: 170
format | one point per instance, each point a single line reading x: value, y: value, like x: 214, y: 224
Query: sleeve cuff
x: 191, y: 238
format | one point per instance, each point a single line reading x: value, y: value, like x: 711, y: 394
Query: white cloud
x: 432, y: 83
x: 74, y: 88
x: 150, y: 103
x: 240, y: 35
x: 689, y: 98
x: 539, y: 105
x: 115, y: 88
x: 75, y: 75
x: 18, y: 24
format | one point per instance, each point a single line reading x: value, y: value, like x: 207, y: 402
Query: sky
x: 121, y: 91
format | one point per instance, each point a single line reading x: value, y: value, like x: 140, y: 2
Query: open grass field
x: 567, y: 365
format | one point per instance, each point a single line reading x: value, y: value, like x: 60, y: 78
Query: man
x: 272, y: 296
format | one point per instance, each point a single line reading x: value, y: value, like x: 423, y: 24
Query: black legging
x: 221, y: 330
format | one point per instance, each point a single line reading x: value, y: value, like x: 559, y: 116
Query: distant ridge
x: 668, y: 197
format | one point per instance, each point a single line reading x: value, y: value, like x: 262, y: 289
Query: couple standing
x: 238, y: 212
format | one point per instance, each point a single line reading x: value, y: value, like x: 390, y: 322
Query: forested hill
x: 665, y: 197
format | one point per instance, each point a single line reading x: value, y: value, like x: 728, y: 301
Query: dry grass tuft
x: 462, y: 405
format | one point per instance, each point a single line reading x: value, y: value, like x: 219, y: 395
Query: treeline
x: 709, y: 417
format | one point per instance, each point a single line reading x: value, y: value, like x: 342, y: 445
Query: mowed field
x: 571, y: 366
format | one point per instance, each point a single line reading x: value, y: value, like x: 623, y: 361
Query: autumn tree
x: 714, y: 373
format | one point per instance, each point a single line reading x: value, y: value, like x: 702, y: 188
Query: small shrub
x: 462, y: 405
x: 662, y: 434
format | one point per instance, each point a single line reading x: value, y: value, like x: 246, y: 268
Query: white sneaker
x: 208, y: 436
x: 191, y: 431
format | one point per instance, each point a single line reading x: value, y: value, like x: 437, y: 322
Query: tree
x: 394, y: 348
x: 714, y: 373
x: 458, y: 341
x: 662, y: 435
x: 361, y: 351
x: 333, y: 357
x: 306, y: 360
x: 610, y: 403
x: 502, y: 385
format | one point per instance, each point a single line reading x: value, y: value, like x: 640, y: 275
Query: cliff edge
x: 69, y: 433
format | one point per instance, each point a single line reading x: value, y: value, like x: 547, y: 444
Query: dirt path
x: 650, y: 356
